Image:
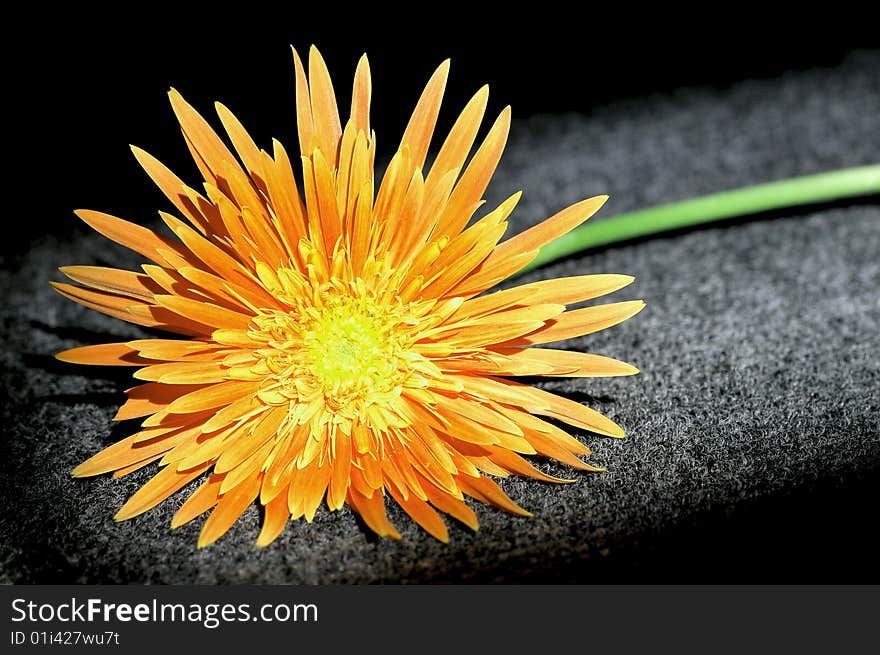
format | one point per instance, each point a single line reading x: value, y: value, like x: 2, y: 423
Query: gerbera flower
x: 335, y: 346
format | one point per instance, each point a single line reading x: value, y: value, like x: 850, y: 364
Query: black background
x: 89, y: 83
x: 83, y: 83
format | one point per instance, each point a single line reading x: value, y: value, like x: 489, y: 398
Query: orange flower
x: 336, y: 346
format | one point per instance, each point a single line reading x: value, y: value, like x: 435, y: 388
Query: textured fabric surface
x: 753, y: 432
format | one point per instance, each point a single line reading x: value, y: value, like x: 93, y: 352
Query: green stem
x: 810, y: 189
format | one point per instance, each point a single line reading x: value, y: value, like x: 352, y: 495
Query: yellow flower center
x: 352, y: 348
x: 340, y: 354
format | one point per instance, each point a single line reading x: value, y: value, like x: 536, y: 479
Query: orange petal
x: 233, y: 412
x: 209, y: 446
x: 132, y: 236
x: 202, y: 138
x: 452, y: 506
x: 474, y: 412
x: 569, y: 411
x: 216, y: 395
x: 372, y: 511
x: 422, y: 513
x: 360, y: 96
x: 242, y: 449
x: 205, y: 313
x: 245, y: 469
x: 325, y: 111
x: 131, y: 468
x: 105, y: 354
x: 519, y: 250
x: 475, y: 179
x: 531, y: 312
x: 176, y: 350
x: 339, y: 479
x: 564, y: 290
x: 129, y: 451
x: 228, y: 509
x: 161, y: 486
x: 236, y: 296
x: 106, y: 303
x: 212, y: 256
x: 490, y: 272
x: 244, y: 145
x: 274, y: 519
x: 113, y: 280
x: 183, y: 373
x: 578, y: 322
x: 552, y: 228
x: 484, y: 490
x: 516, y: 464
x: 174, y: 189
x: 201, y: 500
x: 461, y: 137
x: 424, y: 118
x: 150, y: 398
x: 570, y: 364
x: 304, y: 123
x: 284, y: 195
x: 545, y: 445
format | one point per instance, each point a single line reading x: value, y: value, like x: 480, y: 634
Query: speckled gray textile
x: 753, y: 431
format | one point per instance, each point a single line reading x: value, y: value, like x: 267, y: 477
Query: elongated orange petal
x: 210, y: 397
x: 227, y: 511
x: 339, y: 478
x: 578, y: 322
x: 421, y: 124
x: 201, y: 500
x: 568, y: 363
x: 150, y: 398
x: 452, y: 506
x: 372, y: 511
x: 485, y: 490
x: 325, y: 112
x: 264, y: 430
x: 516, y: 464
x: 106, y: 303
x: 183, y: 373
x: 284, y: 197
x: 516, y: 252
x: 243, y: 471
x: 105, y: 354
x: 422, y: 513
x: 128, y: 451
x: 201, y: 136
x: 546, y: 445
x: 564, y: 290
x: 361, y: 95
x: 204, y: 313
x: 304, y: 123
x: 176, y: 350
x: 274, y: 520
x: 113, y: 280
x: 553, y: 228
x: 475, y: 179
x: 244, y: 145
x: 500, y: 319
x: 161, y: 486
x: 212, y: 256
x: 457, y: 145
x: 174, y: 189
x: 573, y: 413
x: 132, y: 236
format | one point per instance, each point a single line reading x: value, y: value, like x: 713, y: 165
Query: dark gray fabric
x: 753, y: 430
